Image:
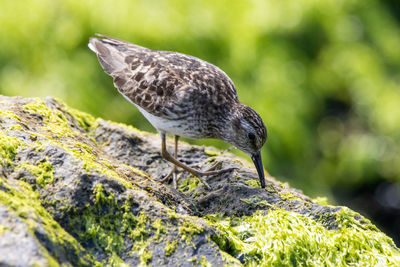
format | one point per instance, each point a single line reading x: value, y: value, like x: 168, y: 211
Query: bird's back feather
x: 162, y: 82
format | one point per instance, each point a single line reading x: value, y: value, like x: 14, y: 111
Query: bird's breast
x: 187, y: 127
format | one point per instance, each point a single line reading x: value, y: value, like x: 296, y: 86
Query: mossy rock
x: 80, y: 191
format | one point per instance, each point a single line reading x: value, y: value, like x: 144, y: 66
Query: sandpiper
x: 184, y: 96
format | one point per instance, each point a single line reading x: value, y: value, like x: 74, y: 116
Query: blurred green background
x: 324, y: 76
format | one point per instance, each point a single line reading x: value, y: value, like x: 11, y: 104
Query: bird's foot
x: 199, y: 174
x: 172, y: 174
x: 212, y: 172
x: 213, y: 167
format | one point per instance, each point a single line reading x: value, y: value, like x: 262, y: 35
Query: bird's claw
x: 200, y: 175
x: 174, y: 175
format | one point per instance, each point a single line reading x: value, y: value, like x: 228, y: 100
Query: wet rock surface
x: 80, y: 191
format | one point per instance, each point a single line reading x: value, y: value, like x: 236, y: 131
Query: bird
x: 183, y: 96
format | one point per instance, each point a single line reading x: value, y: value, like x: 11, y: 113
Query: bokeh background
x: 324, y: 75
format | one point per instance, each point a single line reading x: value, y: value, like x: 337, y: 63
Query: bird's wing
x: 161, y: 81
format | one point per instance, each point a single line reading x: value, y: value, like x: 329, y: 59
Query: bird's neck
x: 232, y: 123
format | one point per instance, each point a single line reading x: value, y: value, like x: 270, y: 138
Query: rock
x: 80, y: 191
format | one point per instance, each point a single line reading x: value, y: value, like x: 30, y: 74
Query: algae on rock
x: 80, y: 191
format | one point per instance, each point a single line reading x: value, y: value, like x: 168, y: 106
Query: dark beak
x: 256, y: 157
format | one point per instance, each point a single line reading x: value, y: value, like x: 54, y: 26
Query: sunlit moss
x: 170, y: 247
x: 253, y: 182
x: 58, y: 131
x: 283, y: 238
x: 15, y: 127
x: 146, y: 256
x: 25, y: 203
x: 3, y: 229
x: 8, y: 148
x: 43, y: 171
x: 321, y: 201
x: 288, y: 196
x: 54, y: 120
x: 204, y: 262
x: 210, y: 152
x: 189, y: 184
x: 188, y: 229
x: 171, y: 214
x: 100, y: 226
x: 134, y: 170
x: 200, y: 262
x: 85, y: 120
x: 229, y: 259
x: 108, y: 224
x: 8, y: 114
x: 160, y: 228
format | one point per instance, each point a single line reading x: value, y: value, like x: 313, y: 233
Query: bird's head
x: 249, y: 135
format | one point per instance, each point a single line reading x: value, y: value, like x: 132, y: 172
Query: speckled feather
x: 163, y: 82
x: 173, y: 86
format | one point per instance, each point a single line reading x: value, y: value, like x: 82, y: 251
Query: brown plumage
x: 182, y: 95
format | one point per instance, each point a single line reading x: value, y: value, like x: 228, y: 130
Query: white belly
x: 174, y: 127
x: 169, y: 126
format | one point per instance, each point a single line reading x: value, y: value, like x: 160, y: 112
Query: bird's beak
x: 256, y: 157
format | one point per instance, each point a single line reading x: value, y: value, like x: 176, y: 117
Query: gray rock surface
x: 80, y: 191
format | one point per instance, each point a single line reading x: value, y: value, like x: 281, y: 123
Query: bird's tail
x: 110, y: 58
x: 112, y: 52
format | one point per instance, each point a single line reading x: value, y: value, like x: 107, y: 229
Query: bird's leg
x: 196, y: 173
x: 173, y: 168
x: 214, y: 166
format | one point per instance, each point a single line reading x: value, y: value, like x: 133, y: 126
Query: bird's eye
x: 251, y: 136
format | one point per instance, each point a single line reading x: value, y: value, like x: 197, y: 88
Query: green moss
x: 90, y: 162
x: 57, y: 130
x: 86, y: 121
x: 255, y: 201
x: 139, y: 234
x: 288, y: 196
x: 9, y: 114
x: 108, y: 225
x: 172, y: 214
x: 188, y: 229
x: 25, y: 203
x: 114, y: 261
x: 134, y: 170
x: 15, y: 127
x: 3, y: 229
x: 170, y: 247
x: 321, y: 201
x: 192, y: 259
x: 146, y: 256
x: 253, y: 183
x: 55, y: 123
x: 43, y: 171
x: 212, y: 152
x: 283, y: 238
x: 351, y: 219
x: 100, y: 223
x: 229, y: 260
x: 204, y: 262
x: 8, y: 149
x: 160, y: 228
x: 189, y: 184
